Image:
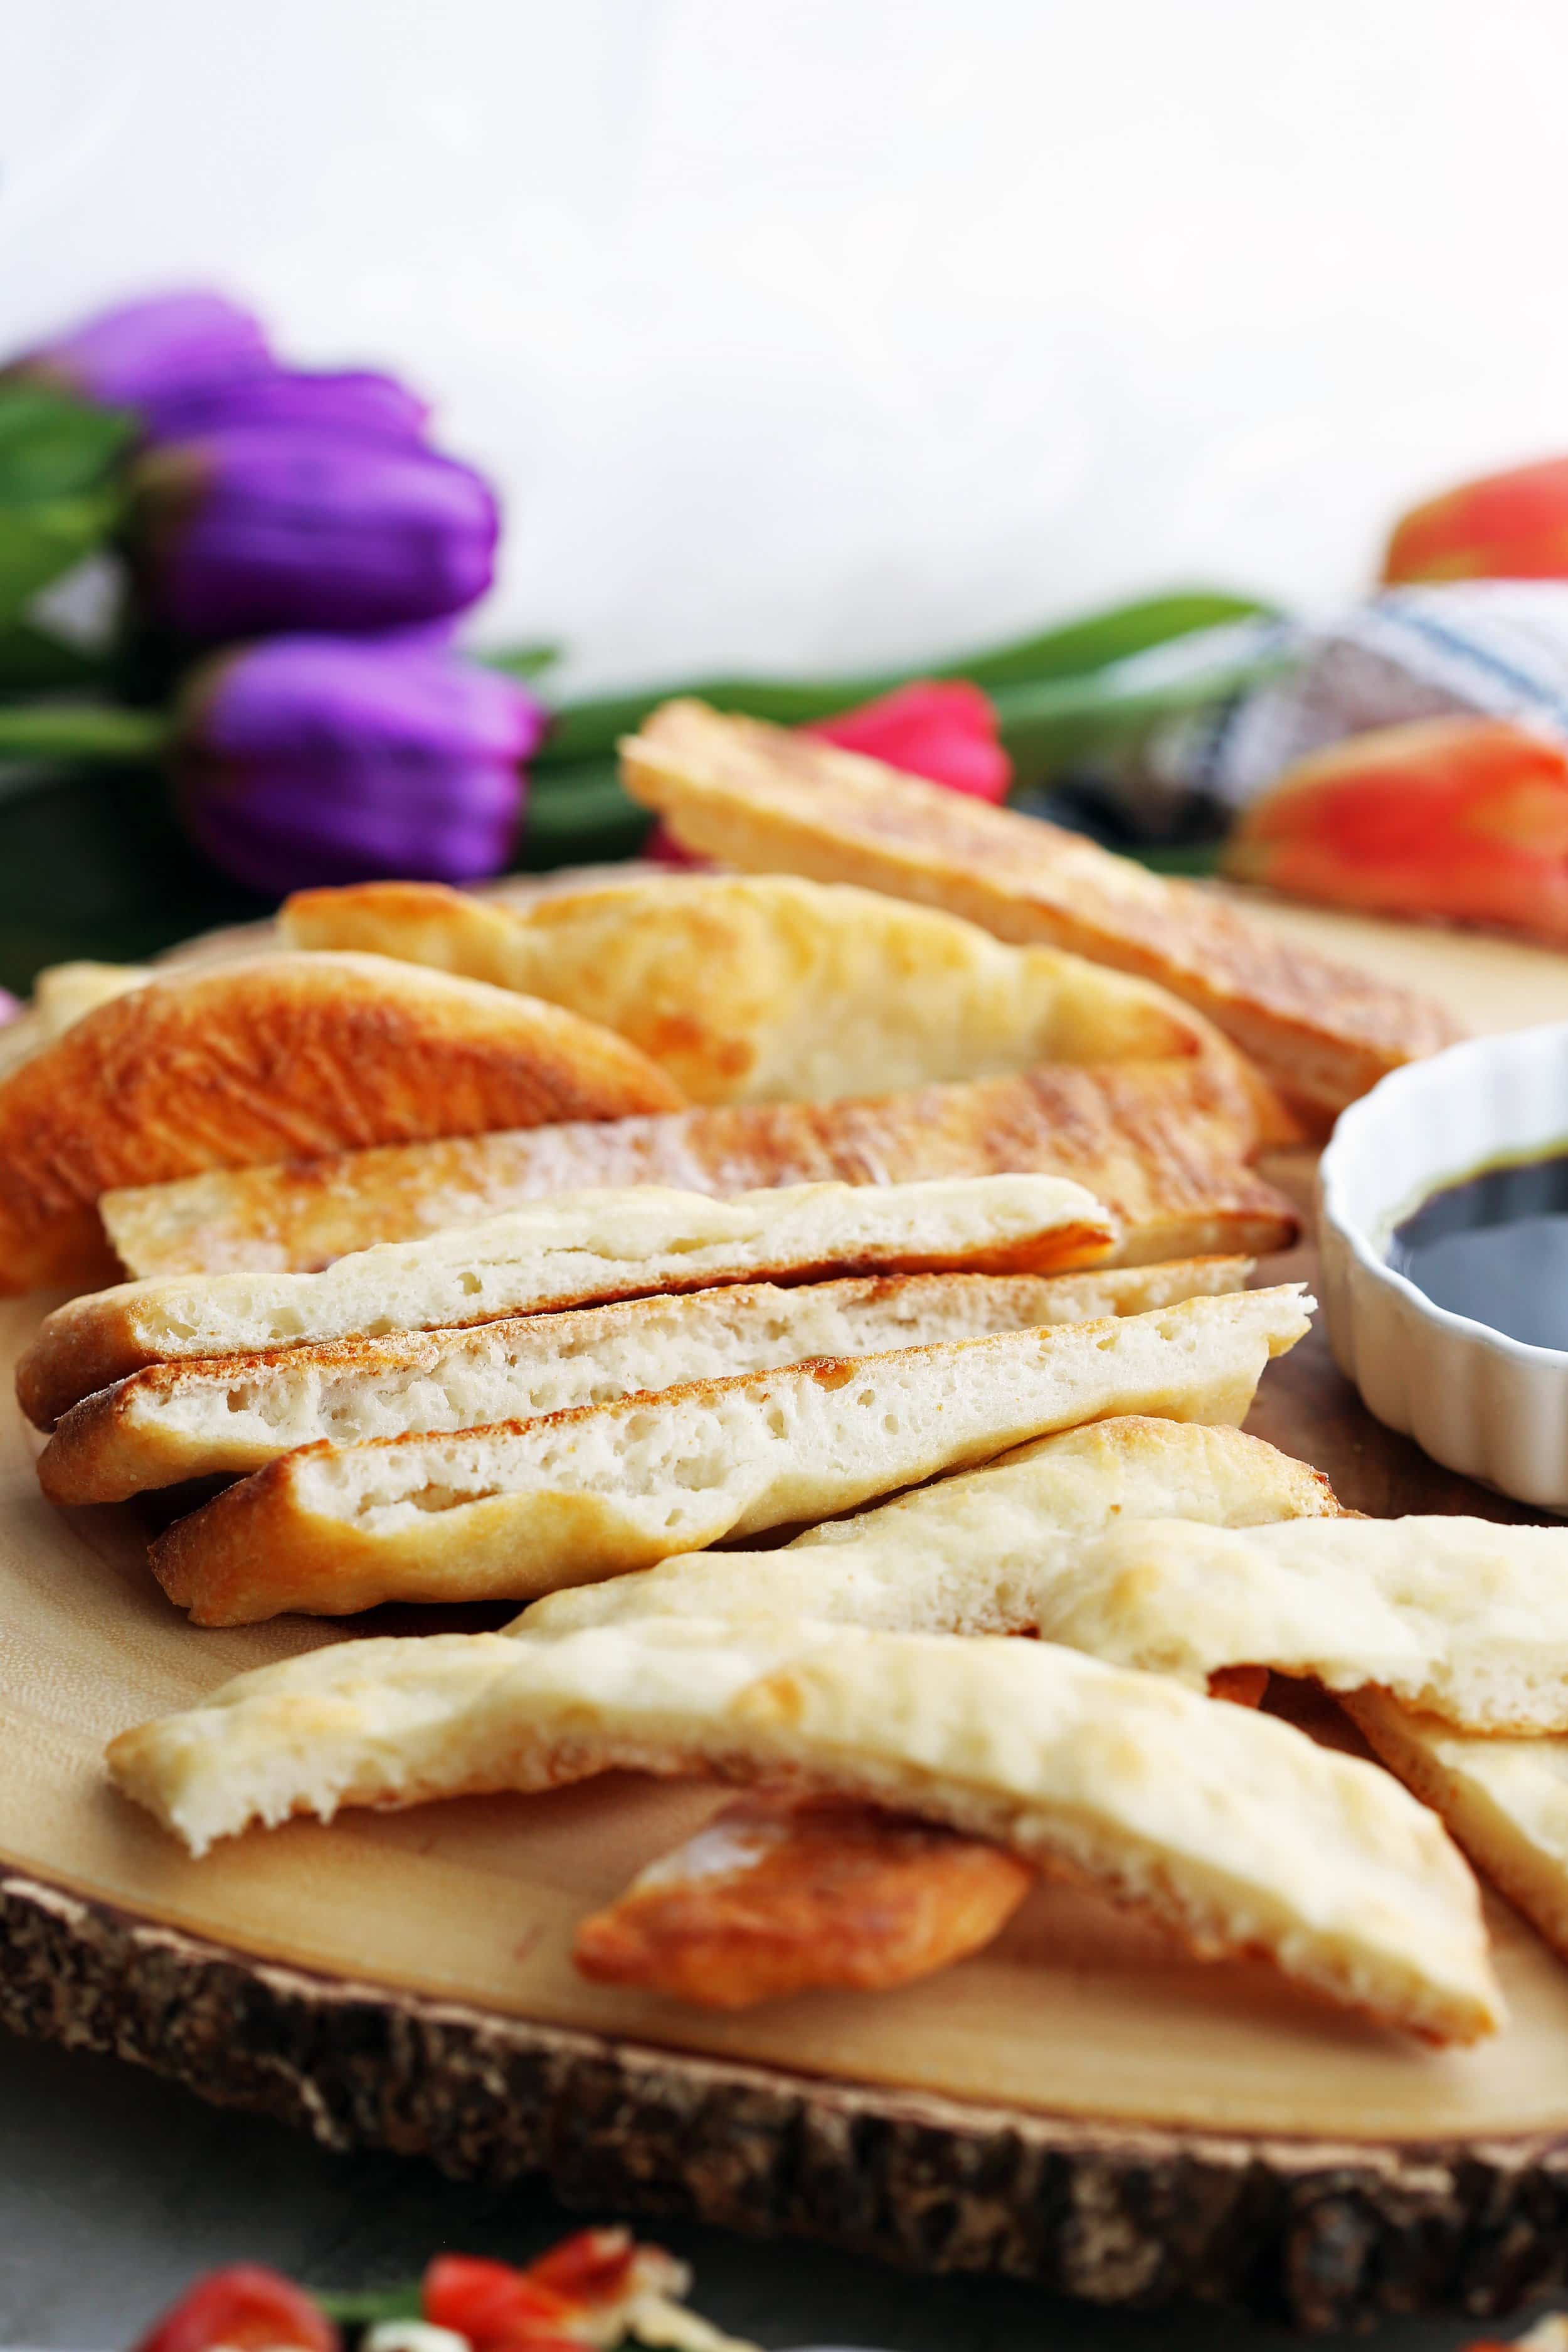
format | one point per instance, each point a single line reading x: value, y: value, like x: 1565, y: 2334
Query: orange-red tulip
x: 1459, y: 820
x: 1511, y: 526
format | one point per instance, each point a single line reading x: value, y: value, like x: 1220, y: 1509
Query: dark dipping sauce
x: 1494, y: 1246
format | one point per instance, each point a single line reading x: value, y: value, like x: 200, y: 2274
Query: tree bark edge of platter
x: 1324, y: 2235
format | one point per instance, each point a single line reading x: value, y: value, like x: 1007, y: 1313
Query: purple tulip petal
x: 298, y: 696
x: 363, y: 406
x: 248, y: 529
x: 275, y: 852
x: 318, y: 760
x: 143, y: 352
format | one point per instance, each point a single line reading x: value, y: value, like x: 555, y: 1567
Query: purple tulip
x: 321, y: 759
x: 146, y: 352
x: 365, y: 406
x: 251, y: 529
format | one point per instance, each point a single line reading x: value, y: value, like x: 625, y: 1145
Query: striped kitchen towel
x: 1496, y: 647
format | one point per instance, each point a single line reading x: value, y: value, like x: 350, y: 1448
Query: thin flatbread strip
x: 1461, y: 1618
x: 766, y: 988
x: 972, y: 1553
x: 283, y: 1055
x: 1225, y: 1825
x: 527, y: 1506
x: 767, y: 799
x: 64, y: 993
x: 227, y: 1415
x: 584, y: 1249
x: 1506, y: 1801
x: 776, y: 1895
x: 1161, y: 1143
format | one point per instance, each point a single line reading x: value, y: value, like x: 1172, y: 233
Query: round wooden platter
x: 1081, y: 2104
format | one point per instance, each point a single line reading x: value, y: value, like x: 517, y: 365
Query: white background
x: 814, y: 331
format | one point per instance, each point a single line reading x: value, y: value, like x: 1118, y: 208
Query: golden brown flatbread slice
x: 979, y: 1552
x: 768, y: 800
x: 1223, y: 1824
x: 1506, y: 1801
x: 63, y: 994
x: 766, y: 988
x: 286, y: 1055
x: 227, y: 1415
x: 526, y: 1506
x: 1462, y: 1618
x: 578, y: 1250
x: 779, y: 1894
x: 1162, y: 1144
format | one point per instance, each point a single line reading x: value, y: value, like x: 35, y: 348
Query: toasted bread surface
x: 527, y: 1506
x: 1160, y: 1144
x: 767, y: 988
x: 580, y: 1249
x: 776, y: 1895
x: 980, y: 1552
x: 767, y: 799
x: 1506, y: 1801
x: 1461, y: 1618
x: 231, y: 1414
x: 1225, y: 1824
x: 283, y: 1055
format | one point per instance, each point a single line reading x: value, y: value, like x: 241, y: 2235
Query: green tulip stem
x: 369, y: 2309
x: 1069, y: 655
x: 87, y: 731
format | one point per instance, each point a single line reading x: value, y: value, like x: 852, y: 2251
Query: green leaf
x: 52, y: 446
x: 93, y: 863
x: 580, y: 817
x: 1081, y: 647
x: 585, y: 731
x: 524, y: 661
x: 1048, y: 728
x: 38, y: 542
x: 32, y: 661
x: 368, y: 2308
x: 1189, y: 860
x: 592, y: 728
x: 85, y: 731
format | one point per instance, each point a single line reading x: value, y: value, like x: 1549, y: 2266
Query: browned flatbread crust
x: 778, y: 1894
x: 768, y: 800
x: 770, y: 988
x: 524, y: 1507
x: 230, y: 1415
x: 1160, y: 1143
x: 268, y: 1060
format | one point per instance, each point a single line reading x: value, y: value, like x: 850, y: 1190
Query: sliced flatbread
x: 776, y: 1895
x: 285, y: 1055
x: 581, y: 1249
x: 528, y: 1506
x: 1506, y: 1801
x: 1225, y: 1825
x: 64, y: 993
x: 766, y: 988
x: 227, y: 1415
x: 767, y: 800
x: 974, y: 1553
x: 1160, y: 1143
x: 1462, y: 1618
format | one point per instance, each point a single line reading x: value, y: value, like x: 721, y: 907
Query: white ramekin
x: 1486, y: 1405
